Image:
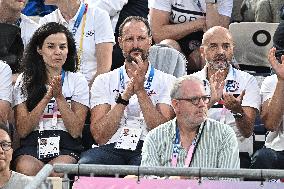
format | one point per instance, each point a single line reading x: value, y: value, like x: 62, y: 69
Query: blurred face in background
x: 13, y: 5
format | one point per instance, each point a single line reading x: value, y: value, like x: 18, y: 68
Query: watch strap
x: 120, y: 100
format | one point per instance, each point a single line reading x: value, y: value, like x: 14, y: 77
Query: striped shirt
x: 217, y: 148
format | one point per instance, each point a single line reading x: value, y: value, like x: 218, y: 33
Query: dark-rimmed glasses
x: 6, y: 146
x: 196, y: 99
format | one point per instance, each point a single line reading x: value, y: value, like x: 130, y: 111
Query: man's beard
x: 219, y: 62
x: 130, y: 58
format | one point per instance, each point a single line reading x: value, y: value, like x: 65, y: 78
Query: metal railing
x: 91, y: 169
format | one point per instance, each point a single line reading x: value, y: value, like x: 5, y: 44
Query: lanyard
x: 147, y: 85
x: 191, y: 149
x: 82, y: 15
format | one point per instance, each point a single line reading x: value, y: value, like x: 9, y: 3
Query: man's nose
x: 220, y: 50
x: 201, y: 103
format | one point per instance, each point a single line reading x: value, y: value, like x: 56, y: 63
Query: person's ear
x: 201, y: 50
x: 120, y: 42
x: 39, y: 51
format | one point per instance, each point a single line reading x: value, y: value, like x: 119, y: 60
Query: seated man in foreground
x: 191, y: 139
x: 129, y: 101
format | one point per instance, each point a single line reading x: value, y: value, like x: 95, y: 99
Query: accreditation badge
x: 128, y: 138
x: 48, y: 147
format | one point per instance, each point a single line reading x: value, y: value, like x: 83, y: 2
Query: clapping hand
x: 137, y: 73
x: 278, y: 68
x: 232, y: 103
x: 216, y: 86
x: 56, y: 86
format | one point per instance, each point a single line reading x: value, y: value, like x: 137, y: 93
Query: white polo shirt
x: 274, y: 140
x: 97, y: 30
x: 236, y: 81
x: 5, y: 82
x: 75, y: 88
x: 185, y: 11
x: 28, y: 27
x: 107, y: 86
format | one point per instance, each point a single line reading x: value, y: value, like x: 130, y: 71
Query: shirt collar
x: 72, y: 19
x: 230, y: 76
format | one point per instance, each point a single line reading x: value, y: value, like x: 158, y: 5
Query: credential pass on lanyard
x: 147, y: 85
x: 82, y: 12
x: 81, y: 15
x: 55, y: 108
x: 191, y: 149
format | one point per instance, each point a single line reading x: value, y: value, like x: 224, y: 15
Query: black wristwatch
x: 120, y: 100
x: 238, y: 115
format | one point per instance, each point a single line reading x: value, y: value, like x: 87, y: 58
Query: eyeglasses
x: 6, y: 146
x: 278, y: 54
x: 196, y: 99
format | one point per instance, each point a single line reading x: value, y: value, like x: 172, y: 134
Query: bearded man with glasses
x: 9, y: 179
x: 235, y: 98
x: 191, y: 139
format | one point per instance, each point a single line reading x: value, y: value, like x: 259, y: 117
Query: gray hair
x: 176, y: 89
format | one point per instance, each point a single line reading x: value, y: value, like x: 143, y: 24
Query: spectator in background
x: 10, y: 13
x: 235, y: 98
x: 9, y: 179
x: 129, y: 101
x: 92, y: 31
x: 50, y: 101
x: 180, y: 24
x: 272, y: 90
x: 5, y: 92
x: 191, y: 139
x: 269, y: 11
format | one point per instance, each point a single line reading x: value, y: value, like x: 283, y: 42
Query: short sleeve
x: 99, y: 91
x: 252, y: 97
x: 81, y: 92
x: 163, y: 5
x: 5, y: 82
x: 103, y: 28
x: 164, y: 94
x: 18, y: 97
x: 268, y: 87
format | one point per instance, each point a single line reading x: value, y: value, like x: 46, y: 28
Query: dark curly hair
x: 33, y: 66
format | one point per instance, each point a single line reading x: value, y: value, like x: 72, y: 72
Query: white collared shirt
x: 5, y: 82
x: 106, y: 87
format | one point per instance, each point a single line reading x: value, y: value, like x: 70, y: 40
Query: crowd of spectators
x: 87, y: 62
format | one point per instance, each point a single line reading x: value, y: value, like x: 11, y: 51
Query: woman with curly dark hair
x: 50, y: 100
